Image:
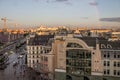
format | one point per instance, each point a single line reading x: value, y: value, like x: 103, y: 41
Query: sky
x: 89, y: 13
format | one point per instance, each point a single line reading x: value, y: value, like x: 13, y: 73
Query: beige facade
x: 46, y: 65
x: 59, y: 50
x: 40, y: 58
x: 97, y: 68
x: 53, y: 59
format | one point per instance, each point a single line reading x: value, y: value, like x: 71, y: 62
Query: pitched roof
x: 40, y: 40
x: 104, y: 43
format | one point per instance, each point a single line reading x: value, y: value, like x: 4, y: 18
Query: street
x: 15, y: 72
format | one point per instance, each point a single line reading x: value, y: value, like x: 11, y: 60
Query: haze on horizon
x: 61, y: 12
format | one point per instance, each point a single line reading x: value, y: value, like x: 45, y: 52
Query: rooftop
x: 104, y: 43
x: 40, y: 40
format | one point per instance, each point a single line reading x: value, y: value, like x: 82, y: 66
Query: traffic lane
x: 7, y: 74
x: 9, y: 71
x: 17, y: 72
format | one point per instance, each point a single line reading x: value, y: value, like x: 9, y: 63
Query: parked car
x: 15, y: 63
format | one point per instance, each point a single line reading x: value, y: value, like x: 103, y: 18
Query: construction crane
x: 4, y: 20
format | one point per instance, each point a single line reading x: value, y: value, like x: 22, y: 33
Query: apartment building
x: 74, y: 58
x: 39, y: 55
x: 86, y: 58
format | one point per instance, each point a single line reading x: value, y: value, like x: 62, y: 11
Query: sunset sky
x: 61, y: 12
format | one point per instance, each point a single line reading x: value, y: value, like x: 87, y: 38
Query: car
x: 20, y: 56
x: 15, y: 63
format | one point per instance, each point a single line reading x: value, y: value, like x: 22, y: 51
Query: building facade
x: 39, y: 55
x: 75, y: 58
x: 86, y: 58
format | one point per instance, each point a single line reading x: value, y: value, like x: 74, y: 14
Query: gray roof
x: 91, y: 41
x: 40, y: 40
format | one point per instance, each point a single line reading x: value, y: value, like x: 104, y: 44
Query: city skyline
x: 61, y: 12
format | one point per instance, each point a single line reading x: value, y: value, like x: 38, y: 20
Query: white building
x: 39, y: 55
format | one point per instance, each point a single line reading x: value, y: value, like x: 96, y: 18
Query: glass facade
x: 78, y: 62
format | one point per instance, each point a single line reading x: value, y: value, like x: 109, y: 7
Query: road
x: 17, y: 72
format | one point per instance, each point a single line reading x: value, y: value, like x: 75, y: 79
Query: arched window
x: 75, y: 45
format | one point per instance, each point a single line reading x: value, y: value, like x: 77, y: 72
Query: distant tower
x: 5, y: 25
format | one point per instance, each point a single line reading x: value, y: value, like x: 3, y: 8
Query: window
x: 104, y: 71
x: 33, y: 48
x: 118, y: 64
x: 33, y: 62
x: 41, y: 48
x: 37, y: 61
x: 108, y: 63
x: 37, y: 47
x: 114, y: 55
x: 41, y: 52
x: 33, y: 52
x: 104, y: 55
x: 104, y: 63
x: 114, y: 64
x: 114, y: 72
x: 108, y: 71
x: 118, y: 73
x: 108, y: 55
x: 118, y: 56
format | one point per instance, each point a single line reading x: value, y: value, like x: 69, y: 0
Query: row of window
x: 108, y: 55
x: 33, y: 61
x: 116, y: 56
x: 33, y: 56
x: 79, y: 63
x: 76, y: 53
x: 115, y: 72
x: 44, y: 58
x: 106, y: 63
x: 39, y: 52
x: 106, y: 71
x: 35, y: 52
x: 115, y: 64
x: 35, y: 47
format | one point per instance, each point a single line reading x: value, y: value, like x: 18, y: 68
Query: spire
x: 97, y: 41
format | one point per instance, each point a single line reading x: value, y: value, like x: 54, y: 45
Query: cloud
x: 67, y: 2
x: 93, y: 3
x: 61, y: 0
x: 114, y: 19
